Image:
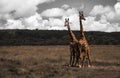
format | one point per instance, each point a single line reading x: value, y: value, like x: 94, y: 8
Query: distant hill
x: 54, y: 37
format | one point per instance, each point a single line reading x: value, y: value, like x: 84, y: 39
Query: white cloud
x: 109, y: 17
x: 59, y: 12
x: 56, y: 24
x: 54, y: 12
x: 117, y: 8
x: 13, y: 24
x: 112, y: 14
x: 91, y: 25
x: 12, y: 9
x: 65, y: 6
x: 21, y: 8
x: 34, y: 22
x: 102, y: 25
x: 71, y: 11
x: 100, y: 9
x: 108, y: 21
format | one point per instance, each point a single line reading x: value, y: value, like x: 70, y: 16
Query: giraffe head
x: 82, y: 15
x: 66, y: 22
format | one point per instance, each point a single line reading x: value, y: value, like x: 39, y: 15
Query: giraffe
x: 74, y: 48
x: 84, y: 47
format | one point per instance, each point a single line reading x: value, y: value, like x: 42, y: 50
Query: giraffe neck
x: 81, y: 26
x: 72, y: 35
x: 81, y: 29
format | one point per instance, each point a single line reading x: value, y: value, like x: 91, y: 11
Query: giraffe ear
x: 81, y: 12
x: 68, y: 19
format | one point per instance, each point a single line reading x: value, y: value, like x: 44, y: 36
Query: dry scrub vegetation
x: 52, y: 62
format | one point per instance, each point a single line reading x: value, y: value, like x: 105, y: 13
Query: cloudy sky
x: 101, y: 15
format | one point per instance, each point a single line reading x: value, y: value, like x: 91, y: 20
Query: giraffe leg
x: 81, y: 61
x: 77, y: 59
x: 73, y: 62
x: 88, y: 57
x: 76, y: 55
x: 83, y: 55
x: 81, y: 58
x: 70, y: 60
x: 71, y: 54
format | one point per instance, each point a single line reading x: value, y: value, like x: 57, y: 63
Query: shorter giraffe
x: 74, y: 48
x: 84, y: 47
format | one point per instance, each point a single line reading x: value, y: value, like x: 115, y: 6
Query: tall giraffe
x: 74, y: 48
x: 84, y: 47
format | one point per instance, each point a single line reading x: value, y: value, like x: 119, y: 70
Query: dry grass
x: 52, y: 61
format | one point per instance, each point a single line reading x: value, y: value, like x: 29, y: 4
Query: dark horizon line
x: 53, y: 30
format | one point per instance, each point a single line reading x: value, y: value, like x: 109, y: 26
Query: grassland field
x: 52, y: 62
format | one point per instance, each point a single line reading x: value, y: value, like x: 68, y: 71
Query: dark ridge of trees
x: 54, y: 37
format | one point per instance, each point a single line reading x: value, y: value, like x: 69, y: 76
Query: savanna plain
x: 52, y: 62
